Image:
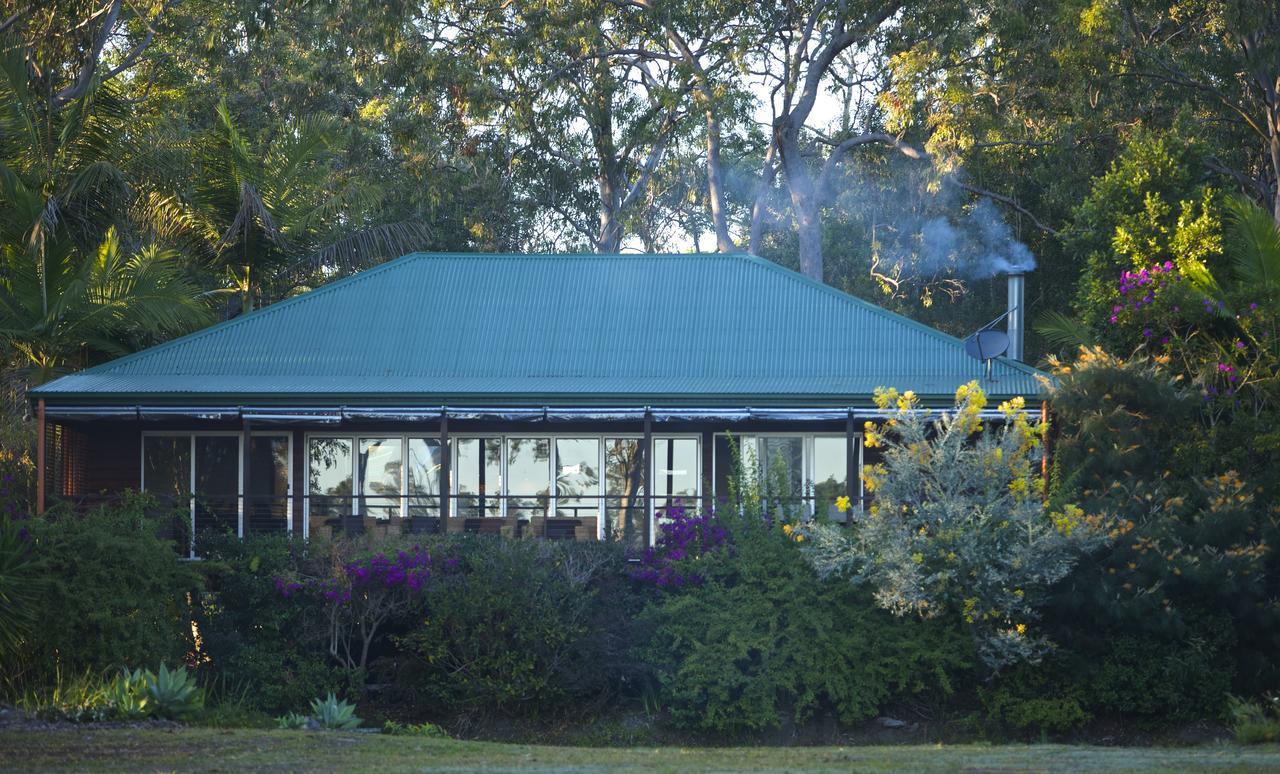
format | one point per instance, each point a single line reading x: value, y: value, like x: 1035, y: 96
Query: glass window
x: 217, y: 483
x: 577, y: 477
x: 478, y: 468
x: 166, y: 474
x: 675, y: 472
x: 528, y: 477
x: 624, y: 510
x: 268, y: 506
x: 830, y: 474
x: 329, y: 478
x: 166, y: 468
x: 380, y: 463
x: 424, y: 468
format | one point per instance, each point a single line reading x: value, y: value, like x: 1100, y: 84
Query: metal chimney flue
x: 1017, y: 314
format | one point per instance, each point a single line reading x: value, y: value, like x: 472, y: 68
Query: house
x: 546, y: 395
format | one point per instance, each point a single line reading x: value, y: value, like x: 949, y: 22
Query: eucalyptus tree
x: 705, y: 40
x: 588, y: 115
x: 1223, y: 57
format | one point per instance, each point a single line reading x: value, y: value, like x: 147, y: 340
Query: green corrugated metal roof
x: 554, y: 329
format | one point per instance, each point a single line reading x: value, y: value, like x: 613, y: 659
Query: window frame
x: 808, y: 455
x: 241, y: 495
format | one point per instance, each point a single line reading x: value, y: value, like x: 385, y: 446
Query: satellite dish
x: 987, y: 344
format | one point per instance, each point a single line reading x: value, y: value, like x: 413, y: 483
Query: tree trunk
x: 804, y: 198
x: 768, y: 171
x: 1275, y: 166
x: 809, y: 231
x: 715, y: 188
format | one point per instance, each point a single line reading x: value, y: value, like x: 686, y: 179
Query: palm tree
x: 60, y: 182
x: 70, y: 294
x: 276, y: 209
x: 102, y: 305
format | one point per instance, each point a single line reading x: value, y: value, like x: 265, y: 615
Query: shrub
x: 272, y: 647
x: 426, y: 730
x: 958, y: 525
x: 1256, y: 722
x: 119, y: 590
x: 521, y: 627
x: 762, y: 641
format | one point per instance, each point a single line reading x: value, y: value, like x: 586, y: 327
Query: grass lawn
x: 205, y: 749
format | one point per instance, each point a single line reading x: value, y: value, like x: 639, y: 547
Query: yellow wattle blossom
x: 1022, y: 629
x: 842, y: 503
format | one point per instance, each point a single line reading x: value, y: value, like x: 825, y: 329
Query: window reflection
x: 268, y: 504
x: 577, y: 477
x: 329, y: 479
x: 380, y: 460
x: 675, y: 472
x: 830, y: 475
x: 423, y: 468
x: 217, y: 484
x: 478, y: 468
x: 528, y: 477
x: 166, y: 474
x: 624, y: 510
x: 166, y: 468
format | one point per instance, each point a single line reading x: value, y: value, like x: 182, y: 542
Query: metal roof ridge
x: 876, y: 308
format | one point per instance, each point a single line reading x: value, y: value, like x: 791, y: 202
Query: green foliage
x: 21, y: 583
x: 78, y: 698
x: 426, y: 730
x: 174, y: 693
x: 1151, y: 206
x: 128, y: 696
x: 1029, y: 698
x: 1186, y: 580
x: 333, y: 715
x: 957, y: 526
x: 292, y: 721
x: 1256, y: 722
x: 118, y: 588
x: 252, y: 635
x: 762, y: 641
x: 521, y: 627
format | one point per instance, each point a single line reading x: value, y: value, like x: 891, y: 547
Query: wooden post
x: 446, y: 469
x: 40, y: 474
x: 708, y: 474
x: 247, y: 445
x: 646, y: 461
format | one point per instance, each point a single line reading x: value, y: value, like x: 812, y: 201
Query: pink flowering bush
x: 1219, y: 332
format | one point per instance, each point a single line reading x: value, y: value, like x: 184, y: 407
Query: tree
x: 266, y: 210
x: 104, y: 304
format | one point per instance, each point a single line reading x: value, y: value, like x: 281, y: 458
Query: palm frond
x: 1064, y: 332
x: 366, y: 248
x: 1255, y: 244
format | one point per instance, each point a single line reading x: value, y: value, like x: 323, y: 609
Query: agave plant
x: 127, y: 695
x: 174, y: 693
x: 293, y: 721
x: 334, y: 715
